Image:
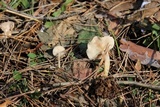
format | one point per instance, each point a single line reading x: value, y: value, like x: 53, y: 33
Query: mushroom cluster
x: 98, y: 48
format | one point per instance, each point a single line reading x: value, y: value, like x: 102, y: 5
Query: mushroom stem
x: 106, y: 64
x: 59, y: 60
x: 59, y: 51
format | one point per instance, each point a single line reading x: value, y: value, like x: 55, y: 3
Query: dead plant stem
x: 139, y: 84
x: 22, y: 14
x: 18, y: 95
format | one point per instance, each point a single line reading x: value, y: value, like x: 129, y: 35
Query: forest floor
x: 110, y: 53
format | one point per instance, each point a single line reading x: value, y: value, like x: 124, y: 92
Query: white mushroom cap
x: 107, y: 42
x: 98, y: 45
x: 99, y: 48
x: 7, y: 27
x: 93, y: 49
x: 58, y: 50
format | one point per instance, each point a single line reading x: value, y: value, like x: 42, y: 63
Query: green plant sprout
x: 62, y: 8
x: 34, y: 59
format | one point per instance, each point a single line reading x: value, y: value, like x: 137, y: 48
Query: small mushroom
x: 99, y: 48
x: 59, y: 51
x: 7, y: 28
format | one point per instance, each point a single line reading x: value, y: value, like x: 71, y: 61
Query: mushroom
x: 59, y: 51
x: 7, y: 28
x: 98, y: 48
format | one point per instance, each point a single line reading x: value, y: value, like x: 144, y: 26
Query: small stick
x: 59, y: 60
x: 9, y: 10
x: 154, y: 87
x: 22, y: 14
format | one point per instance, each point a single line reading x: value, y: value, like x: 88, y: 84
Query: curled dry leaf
x: 7, y: 28
x: 145, y: 55
x: 138, y: 65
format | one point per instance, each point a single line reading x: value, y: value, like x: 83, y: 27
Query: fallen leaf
x: 112, y: 25
x: 60, y: 33
x: 148, y: 10
x: 157, y: 16
x: 1, y: 15
x: 5, y: 104
x: 120, y: 9
x: 145, y: 55
x: 81, y: 69
x: 109, y: 4
x: 56, y: 1
x: 138, y: 65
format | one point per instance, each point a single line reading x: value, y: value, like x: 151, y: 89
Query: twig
x: 139, y: 84
x: 22, y: 14
x: 19, y: 95
x: 118, y: 75
x: 64, y: 16
x: 66, y: 84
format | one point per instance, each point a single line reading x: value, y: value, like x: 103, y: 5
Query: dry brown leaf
x: 68, y: 7
x: 81, y: 69
x: 138, y: 65
x: 148, y: 10
x: 63, y: 31
x: 1, y: 15
x: 118, y: 9
x: 145, y: 55
x: 56, y: 1
x: 109, y: 4
x: 64, y: 28
x: 112, y: 25
x: 5, y: 104
x: 152, y: 75
x: 151, y: 9
x: 157, y: 16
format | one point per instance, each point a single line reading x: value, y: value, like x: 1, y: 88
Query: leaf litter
x: 33, y: 29
x: 145, y: 55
